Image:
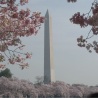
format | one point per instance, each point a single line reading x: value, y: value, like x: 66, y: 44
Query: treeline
x: 14, y: 87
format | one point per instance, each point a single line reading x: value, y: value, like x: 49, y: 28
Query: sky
x: 73, y: 65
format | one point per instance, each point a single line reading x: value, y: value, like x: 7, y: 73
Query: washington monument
x: 49, y: 75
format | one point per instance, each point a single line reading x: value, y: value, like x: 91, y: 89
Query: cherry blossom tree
x: 14, y: 24
x: 15, y: 87
x: 22, y: 88
x: 84, y: 89
x: 84, y: 20
x: 75, y: 93
x: 61, y: 89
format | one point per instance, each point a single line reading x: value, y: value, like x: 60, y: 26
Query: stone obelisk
x: 49, y: 74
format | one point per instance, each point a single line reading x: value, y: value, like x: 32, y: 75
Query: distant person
x: 93, y: 95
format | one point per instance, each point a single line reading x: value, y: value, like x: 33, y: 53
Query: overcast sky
x: 72, y: 63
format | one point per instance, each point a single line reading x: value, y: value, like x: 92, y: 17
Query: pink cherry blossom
x: 16, y: 23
